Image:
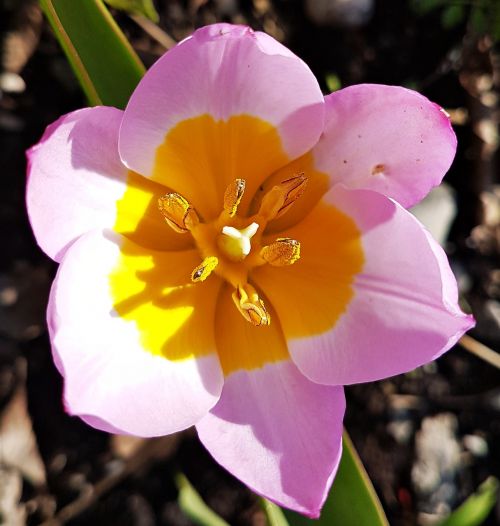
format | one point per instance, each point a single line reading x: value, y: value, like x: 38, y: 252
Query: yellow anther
x: 178, y: 213
x: 234, y: 243
x: 202, y: 271
x: 251, y: 306
x: 284, y: 251
x: 277, y: 201
x: 233, y: 195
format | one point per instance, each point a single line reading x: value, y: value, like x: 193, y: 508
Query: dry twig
x: 154, y: 31
x: 480, y: 350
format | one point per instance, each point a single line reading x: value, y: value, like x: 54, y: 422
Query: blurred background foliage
x: 482, y: 15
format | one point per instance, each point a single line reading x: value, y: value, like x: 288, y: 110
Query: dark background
x: 427, y: 438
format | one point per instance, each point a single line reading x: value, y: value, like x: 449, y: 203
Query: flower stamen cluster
x: 231, y: 245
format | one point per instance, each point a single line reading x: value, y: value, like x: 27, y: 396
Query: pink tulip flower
x: 234, y: 248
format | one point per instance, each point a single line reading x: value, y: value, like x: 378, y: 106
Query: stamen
x: 252, y: 308
x: 178, y: 213
x: 236, y: 243
x: 229, y: 246
x: 232, y: 196
x: 202, y: 271
x: 284, y: 251
x: 276, y: 202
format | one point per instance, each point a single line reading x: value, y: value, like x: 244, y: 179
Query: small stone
x: 437, y: 211
x: 437, y: 456
x: 401, y: 430
x: 19, y: 449
x: 58, y: 463
x: 343, y: 13
x: 11, y: 83
x: 8, y: 296
x: 476, y: 444
x: 227, y: 7
x: 493, y: 310
x: 11, y: 510
x: 124, y: 446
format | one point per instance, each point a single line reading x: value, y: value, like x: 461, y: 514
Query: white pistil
x: 236, y: 243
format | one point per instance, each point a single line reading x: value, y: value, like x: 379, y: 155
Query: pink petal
x: 222, y: 71
x: 75, y: 177
x: 279, y: 433
x: 114, y: 379
x: 385, y: 138
x: 402, y: 311
x: 76, y: 180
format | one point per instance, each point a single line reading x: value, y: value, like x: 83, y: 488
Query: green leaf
x: 477, y: 507
x: 136, y: 7
x: 452, y: 16
x: 274, y: 514
x: 352, y: 500
x: 422, y: 7
x: 496, y: 22
x: 479, y: 20
x: 193, y: 506
x: 332, y: 82
x: 103, y: 60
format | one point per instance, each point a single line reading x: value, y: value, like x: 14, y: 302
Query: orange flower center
x: 231, y: 246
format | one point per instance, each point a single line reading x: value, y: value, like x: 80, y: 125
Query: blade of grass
x: 477, y: 507
x: 103, y: 60
x: 352, y: 500
x: 274, y: 514
x: 193, y: 506
x: 154, y: 31
x: 137, y: 7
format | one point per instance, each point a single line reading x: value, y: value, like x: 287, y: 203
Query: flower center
x: 235, y: 244
x: 231, y: 245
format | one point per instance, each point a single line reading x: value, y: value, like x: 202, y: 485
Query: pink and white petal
x: 278, y: 433
x: 77, y: 182
x: 222, y: 71
x: 75, y: 177
x: 402, y: 310
x: 121, y: 374
x: 385, y: 138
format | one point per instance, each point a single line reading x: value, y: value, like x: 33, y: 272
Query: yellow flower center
x: 235, y: 243
x: 231, y: 246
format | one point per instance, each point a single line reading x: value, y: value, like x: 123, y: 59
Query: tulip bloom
x: 234, y: 249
